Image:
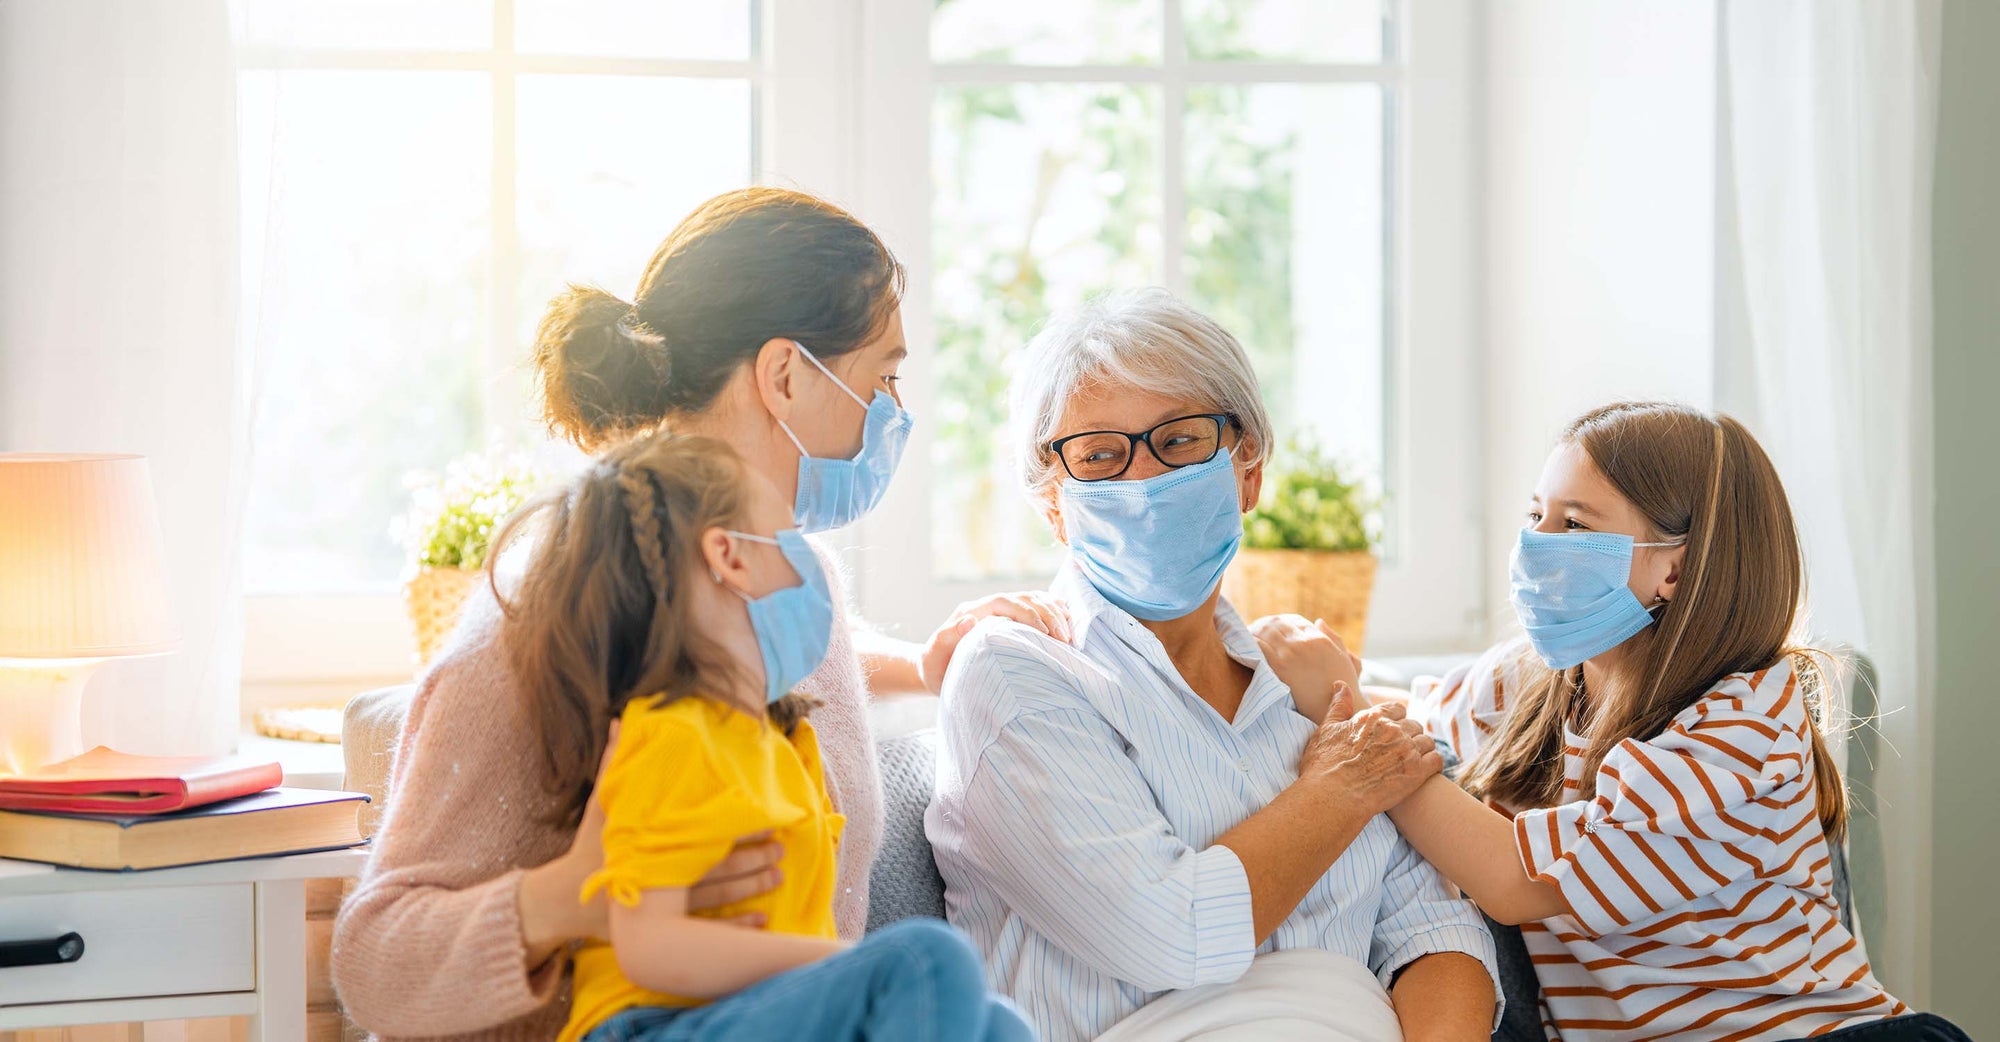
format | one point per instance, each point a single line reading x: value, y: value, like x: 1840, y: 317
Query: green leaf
x: 452, y: 519
x: 1309, y: 503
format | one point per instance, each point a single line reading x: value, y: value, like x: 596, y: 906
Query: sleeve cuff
x: 1225, y: 933
x: 500, y: 950
x: 1545, y: 837
x: 1459, y: 938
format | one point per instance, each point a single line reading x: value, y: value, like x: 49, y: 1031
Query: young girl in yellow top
x: 1645, y: 788
x: 668, y: 593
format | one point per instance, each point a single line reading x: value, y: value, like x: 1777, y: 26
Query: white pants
x: 1289, y: 996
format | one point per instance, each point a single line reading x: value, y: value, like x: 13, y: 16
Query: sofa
x: 905, y: 880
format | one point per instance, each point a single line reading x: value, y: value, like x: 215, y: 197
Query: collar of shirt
x: 1097, y: 625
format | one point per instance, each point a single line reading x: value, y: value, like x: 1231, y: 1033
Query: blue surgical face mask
x: 837, y: 492
x: 1156, y: 548
x: 1573, y: 593
x: 794, y: 625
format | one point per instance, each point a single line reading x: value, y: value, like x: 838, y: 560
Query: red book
x: 105, y: 782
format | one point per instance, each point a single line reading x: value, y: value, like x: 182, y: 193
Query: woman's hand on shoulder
x: 1310, y: 658
x: 1375, y: 756
x: 1034, y: 609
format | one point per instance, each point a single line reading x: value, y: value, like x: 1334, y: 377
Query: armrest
x: 369, y: 728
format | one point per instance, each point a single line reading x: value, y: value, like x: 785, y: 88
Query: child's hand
x: 1034, y: 609
x: 1311, y: 660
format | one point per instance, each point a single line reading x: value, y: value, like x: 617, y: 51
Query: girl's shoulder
x: 1470, y: 701
x: 689, y: 719
x: 1481, y: 687
x: 689, y: 749
x: 1780, y: 695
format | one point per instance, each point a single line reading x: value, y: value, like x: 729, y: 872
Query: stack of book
x: 108, y: 810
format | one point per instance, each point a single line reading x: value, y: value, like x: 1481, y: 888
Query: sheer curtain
x: 119, y: 310
x: 1828, y: 113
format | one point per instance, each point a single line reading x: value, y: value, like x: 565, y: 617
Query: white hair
x: 1144, y: 338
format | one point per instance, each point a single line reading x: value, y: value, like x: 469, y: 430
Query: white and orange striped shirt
x: 1694, y: 865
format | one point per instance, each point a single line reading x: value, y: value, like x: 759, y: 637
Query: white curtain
x: 118, y: 312
x: 1828, y: 114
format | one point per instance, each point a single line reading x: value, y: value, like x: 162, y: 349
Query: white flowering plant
x: 453, y: 517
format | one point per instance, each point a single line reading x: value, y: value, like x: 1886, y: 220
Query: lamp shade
x: 81, y: 575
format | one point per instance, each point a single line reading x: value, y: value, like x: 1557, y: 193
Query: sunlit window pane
x: 1046, y: 32
x: 365, y: 243
x: 717, y: 29
x: 1285, y: 242
x: 1286, y: 30
x: 1045, y: 195
x: 453, y: 25
x: 600, y: 184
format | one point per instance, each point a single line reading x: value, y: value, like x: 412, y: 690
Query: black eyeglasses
x: 1180, y: 442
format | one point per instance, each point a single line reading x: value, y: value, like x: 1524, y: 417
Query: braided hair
x: 601, y: 616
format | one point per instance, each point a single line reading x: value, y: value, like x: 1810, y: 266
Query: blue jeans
x: 918, y: 979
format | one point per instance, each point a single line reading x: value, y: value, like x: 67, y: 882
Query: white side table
x: 226, y: 939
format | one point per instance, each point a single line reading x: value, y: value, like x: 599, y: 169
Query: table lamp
x: 81, y: 581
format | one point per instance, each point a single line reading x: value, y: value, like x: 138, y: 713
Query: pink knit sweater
x: 429, y: 944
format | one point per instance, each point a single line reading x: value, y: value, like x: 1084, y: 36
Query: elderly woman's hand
x: 1033, y: 609
x: 1376, y: 757
x: 1310, y: 658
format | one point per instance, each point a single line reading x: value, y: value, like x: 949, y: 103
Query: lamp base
x: 41, y: 711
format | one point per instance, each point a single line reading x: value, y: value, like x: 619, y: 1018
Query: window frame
x: 842, y: 97
x: 324, y: 646
x: 1425, y: 601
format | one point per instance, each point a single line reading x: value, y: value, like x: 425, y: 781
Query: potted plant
x: 448, y: 531
x: 1309, y: 546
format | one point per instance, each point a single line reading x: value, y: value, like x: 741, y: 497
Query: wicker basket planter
x: 1319, y: 584
x: 434, y: 597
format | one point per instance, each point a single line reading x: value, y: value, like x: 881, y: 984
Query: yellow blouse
x: 687, y: 781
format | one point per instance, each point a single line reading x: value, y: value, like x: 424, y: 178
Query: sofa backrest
x: 905, y: 881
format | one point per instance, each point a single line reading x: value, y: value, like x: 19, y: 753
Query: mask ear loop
x: 717, y: 576
x: 837, y: 381
x: 1660, y: 603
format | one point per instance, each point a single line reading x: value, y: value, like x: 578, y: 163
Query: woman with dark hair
x: 768, y: 320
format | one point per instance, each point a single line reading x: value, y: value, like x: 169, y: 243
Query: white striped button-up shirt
x: 1081, y: 789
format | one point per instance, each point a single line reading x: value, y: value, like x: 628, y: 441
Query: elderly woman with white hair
x: 1144, y: 810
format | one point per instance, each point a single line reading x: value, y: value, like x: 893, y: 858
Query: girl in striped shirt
x: 1645, y: 789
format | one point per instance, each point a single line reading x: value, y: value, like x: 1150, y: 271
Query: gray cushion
x: 905, y: 881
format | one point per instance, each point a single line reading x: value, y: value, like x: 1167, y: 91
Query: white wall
x: 1965, y: 261
x: 1600, y: 228
x: 118, y: 298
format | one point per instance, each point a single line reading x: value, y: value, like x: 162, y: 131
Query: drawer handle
x: 45, y: 952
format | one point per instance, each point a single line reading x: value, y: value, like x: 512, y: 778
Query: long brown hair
x: 601, y: 615
x: 1705, y: 480
x: 744, y: 268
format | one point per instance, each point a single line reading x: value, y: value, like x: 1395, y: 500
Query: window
x: 1281, y: 164
x: 420, y: 176
x: 419, y: 179
x: 1235, y: 152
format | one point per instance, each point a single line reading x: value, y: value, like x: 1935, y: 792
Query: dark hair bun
x: 745, y: 268
x: 601, y: 375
